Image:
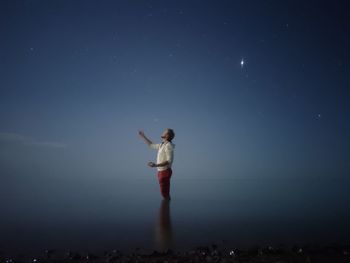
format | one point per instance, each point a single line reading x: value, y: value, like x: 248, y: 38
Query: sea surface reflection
x: 163, y: 230
x: 126, y: 214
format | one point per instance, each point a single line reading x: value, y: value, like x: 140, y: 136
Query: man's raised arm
x: 143, y: 136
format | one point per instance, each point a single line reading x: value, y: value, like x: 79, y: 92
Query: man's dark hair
x: 171, y: 134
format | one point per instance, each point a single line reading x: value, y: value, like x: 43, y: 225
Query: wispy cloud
x: 29, y: 141
x: 6, y: 136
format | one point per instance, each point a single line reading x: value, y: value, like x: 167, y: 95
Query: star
x: 242, y: 63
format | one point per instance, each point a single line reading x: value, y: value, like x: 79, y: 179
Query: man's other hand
x: 151, y: 164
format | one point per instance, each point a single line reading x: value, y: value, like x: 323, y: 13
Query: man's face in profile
x: 165, y: 135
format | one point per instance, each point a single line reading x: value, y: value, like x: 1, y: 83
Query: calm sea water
x: 128, y: 213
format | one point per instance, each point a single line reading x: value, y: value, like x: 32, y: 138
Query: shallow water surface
x: 129, y: 213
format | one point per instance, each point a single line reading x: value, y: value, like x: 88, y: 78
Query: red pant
x: 164, y: 181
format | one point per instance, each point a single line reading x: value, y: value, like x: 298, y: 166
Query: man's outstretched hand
x: 142, y: 134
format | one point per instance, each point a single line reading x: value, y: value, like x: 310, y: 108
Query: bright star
x: 242, y: 63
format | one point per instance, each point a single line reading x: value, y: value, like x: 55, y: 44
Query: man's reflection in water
x: 163, y: 230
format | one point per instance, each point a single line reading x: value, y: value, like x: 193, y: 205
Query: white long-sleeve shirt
x: 165, y: 153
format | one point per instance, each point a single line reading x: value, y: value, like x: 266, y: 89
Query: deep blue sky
x: 79, y: 78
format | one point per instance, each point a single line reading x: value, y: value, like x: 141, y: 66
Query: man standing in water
x: 165, y: 159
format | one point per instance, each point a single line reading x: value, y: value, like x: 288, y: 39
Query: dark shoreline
x: 209, y: 253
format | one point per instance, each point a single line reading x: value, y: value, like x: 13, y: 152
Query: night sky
x: 252, y: 89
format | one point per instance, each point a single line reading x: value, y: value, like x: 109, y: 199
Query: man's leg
x: 164, y: 182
